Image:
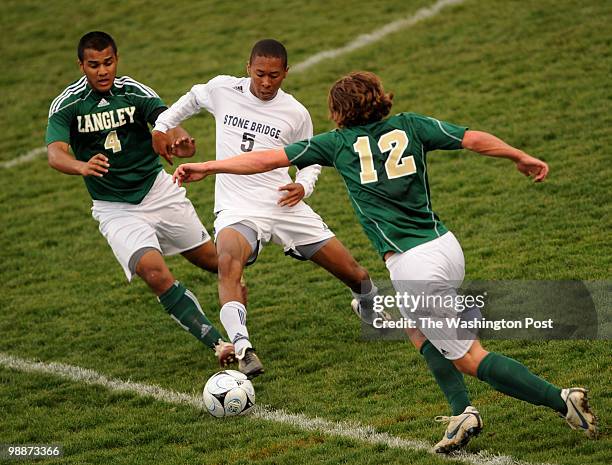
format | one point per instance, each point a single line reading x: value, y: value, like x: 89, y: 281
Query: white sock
x: 366, y: 301
x: 233, y: 317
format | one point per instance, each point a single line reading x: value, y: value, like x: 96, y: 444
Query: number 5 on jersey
x: 112, y: 142
x: 395, y: 142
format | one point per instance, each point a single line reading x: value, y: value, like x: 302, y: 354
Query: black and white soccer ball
x: 228, y: 393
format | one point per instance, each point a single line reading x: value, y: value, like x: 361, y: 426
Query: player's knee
x: 466, y: 365
x: 230, y: 268
x: 158, y: 278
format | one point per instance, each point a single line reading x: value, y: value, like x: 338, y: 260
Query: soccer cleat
x: 368, y: 316
x: 225, y: 353
x: 579, y: 414
x: 461, y: 428
x: 249, y: 363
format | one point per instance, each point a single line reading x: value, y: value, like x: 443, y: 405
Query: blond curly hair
x: 357, y: 99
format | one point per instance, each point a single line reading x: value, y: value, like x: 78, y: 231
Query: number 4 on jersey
x: 394, y: 142
x: 112, y: 142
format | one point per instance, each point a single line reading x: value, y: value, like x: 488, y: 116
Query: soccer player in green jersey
x: 383, y: 164
x: 142, y: 213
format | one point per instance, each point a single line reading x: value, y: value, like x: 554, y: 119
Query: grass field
x: 535, y: 73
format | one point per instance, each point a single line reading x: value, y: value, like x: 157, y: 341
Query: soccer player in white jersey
x: 383, y: 162
x: 254, y: 113
x: 142, y: 214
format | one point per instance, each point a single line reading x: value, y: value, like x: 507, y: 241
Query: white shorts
x: 286, y: 227
x: 436, y: 268
x: 165, y: 220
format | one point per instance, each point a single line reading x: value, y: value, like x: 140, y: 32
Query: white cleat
x: 368, y: 316
x: 579, y: 414
x: 461, y: 428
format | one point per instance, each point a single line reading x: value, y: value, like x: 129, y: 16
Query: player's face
x: 267, y: 74
x: 100, y: 67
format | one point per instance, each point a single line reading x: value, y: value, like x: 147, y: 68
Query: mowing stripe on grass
x: 347, y: 430
x: 359, y: 42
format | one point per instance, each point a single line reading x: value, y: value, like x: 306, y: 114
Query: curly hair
x: 357, y: 99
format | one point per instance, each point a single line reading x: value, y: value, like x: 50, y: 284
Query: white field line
x: 348, y: 430
x: 26, y: 157
x: 359, y: 42
x: 376, y: 35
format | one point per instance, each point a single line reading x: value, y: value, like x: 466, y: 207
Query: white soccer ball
x: 228, y: 393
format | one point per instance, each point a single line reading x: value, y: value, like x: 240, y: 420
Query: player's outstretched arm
x: 60, y: 159
x: 489, y: 145
x: 246, y: 163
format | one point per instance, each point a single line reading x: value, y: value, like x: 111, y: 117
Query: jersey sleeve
x: 198, y: 97
x: 144, y: 98
x: 58, y: 126
x: 318, y: 150
x: 149, y: 106
x: 436, y: 134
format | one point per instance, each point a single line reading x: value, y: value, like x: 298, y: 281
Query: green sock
x: 448, y: 378
x: 183, y: 306
x: 514, y: 379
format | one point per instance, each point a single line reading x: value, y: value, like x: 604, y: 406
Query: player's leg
x: 514, y: 379
x: 136, y: 247
x: 409, y: 271
x: 504, y: 374
x: 338, y: 261
x: 203, y: 256
x: 235, y: 245
x: 180, y: 303
x: 449, y: 379
x: 305, y: 236
x: 165, y: 223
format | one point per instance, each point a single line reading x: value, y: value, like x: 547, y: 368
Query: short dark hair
x: 96, y: 40
x: 269, y: 48
x: 357, y: 99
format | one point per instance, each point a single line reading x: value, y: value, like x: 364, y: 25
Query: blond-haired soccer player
x: 383, y: 163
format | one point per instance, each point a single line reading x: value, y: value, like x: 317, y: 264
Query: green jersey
x: 114, y: 124
x: 384, y: 167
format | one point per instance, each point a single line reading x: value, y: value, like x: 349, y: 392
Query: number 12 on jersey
x: 395, y: 142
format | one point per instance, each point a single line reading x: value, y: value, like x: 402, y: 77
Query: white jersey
x: 245, y: 123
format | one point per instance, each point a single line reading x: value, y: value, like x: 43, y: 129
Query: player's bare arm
x: 162, y: 144
x: 259, y: 161
x: 62, y: 160
x: 175, y: 142
x: 489, y: 145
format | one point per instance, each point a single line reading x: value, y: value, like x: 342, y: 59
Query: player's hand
x: 189, y: 172
x: 162, y: 145
x: 295, y: 193
x: 532, y: 167
x: 96, y: 166
x: 183, y: 147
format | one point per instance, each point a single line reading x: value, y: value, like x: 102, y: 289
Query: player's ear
x: 80, y: 63
x: 248, y: 68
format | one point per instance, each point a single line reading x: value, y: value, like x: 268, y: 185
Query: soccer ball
x: 228, y: 393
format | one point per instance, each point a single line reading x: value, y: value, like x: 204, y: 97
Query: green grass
x: 535, y: 73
